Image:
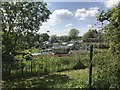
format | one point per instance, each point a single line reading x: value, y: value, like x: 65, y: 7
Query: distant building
x: 75, y: 44
x: 60, y: 49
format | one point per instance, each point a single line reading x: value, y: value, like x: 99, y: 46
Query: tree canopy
x: 44, y: 37
x: 18, y: 21
x: 113, y: 28
x: 73, y: 33
x: 90, y: 34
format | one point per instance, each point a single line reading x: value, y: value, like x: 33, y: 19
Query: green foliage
x: 27, y: 56
x: 105, y: 71
x: 35, y: 50
x: 112, y: 29
x: 44, y: 37
x: 94, y: 36
x: 53, y: 39
x: 108, y: 71
x: 64, y: 61
x: 102, y: 16
x: 108, y: 74
x: 64, y: 38
x: 101, y: 45
x: 73, y: 33
x: 79, y: 65
x: 90, y: 34
x: 20, y: 22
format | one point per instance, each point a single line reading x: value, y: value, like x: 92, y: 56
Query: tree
x: 44, y: 37
x: 53, y: 39
x: 64, y: 38
x: 90, y: 34
x: 73, y: 33
x: 112, y: 28
x: 31, y: 39
x: 18, y: 21
x: 109, y: 71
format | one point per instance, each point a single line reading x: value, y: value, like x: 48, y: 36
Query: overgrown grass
x: 65, y: 79
x: 42, y: 64
x: 57, y: 72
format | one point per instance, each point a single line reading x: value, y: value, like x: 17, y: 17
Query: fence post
x: 90, y: 68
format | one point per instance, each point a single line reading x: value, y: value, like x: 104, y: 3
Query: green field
x: 54, y: 71
x: 65, y: 79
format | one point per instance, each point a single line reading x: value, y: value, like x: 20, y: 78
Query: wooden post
x: 90, y: 68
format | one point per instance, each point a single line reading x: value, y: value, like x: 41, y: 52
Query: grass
x: 82, y: 73
x: 34, y: 50
x: 67, y: 77
x: 44, y: 64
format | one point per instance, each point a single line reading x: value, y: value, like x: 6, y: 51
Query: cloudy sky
x: 79, y: 15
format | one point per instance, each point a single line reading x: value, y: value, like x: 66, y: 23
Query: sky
x: 79, y: 15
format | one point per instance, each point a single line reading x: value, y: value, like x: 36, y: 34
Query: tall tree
x: 53, y: 39
x: 64, y: 38
x: 113, y: 28
x: 18, y: 21
x: 90, y: 34
x: 73, y: 33
x: 109, y: 71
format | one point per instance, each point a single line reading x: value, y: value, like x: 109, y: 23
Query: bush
x: 108, y: 72
x: 100, y: 45
x: 27, y: 56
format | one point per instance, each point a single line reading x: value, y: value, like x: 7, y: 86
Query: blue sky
x: 68, y: 15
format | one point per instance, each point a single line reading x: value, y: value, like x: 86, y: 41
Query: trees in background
x: 53, y: 39
x: 90, y: 34
x: 43, y: 37
x: 20, y: 21
x: 94, y: 34
x: 64, y: 38
x: 73, y: 33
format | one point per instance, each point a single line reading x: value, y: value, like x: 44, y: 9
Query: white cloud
x: 89, y: 26
x: 56, y: 17
x: 62, y: 32
x: 64, y: 17
x: 61, y: 15
x: 68, y: 25
x: 86, y: 13
x: 83, y: 31
x: 111, y: 3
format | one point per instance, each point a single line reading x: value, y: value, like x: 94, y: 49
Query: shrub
x: 27, y: 56
x: 108, y: 72
x: 100, y: 45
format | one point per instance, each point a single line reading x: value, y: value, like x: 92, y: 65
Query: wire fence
x: 39, y: 66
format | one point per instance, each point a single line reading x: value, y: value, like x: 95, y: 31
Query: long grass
x: 50, y: 71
